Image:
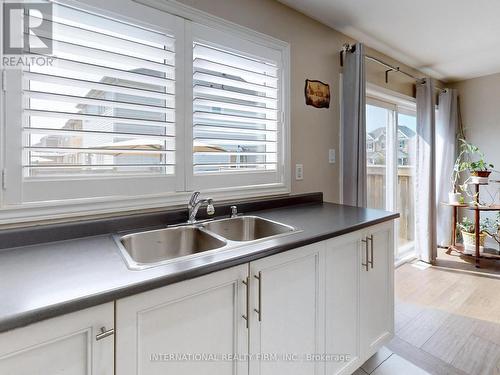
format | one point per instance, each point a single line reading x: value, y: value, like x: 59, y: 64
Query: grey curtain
x: 446, y: 130
x: 354, y: 128
x: 425, y: 181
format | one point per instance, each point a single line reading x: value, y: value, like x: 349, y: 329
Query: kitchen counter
x: 46, y: 280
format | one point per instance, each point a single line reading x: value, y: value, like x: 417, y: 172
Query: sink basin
x: 158, y: 247
x: 247, y: 228
x: 146, y: 249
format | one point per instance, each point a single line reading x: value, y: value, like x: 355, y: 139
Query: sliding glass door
x: 405, y: 193
x: 390, y: 149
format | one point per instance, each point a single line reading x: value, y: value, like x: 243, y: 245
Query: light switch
x: 299, y: 172
x: 331, y: 156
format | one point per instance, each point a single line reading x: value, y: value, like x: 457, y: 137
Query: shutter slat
x: 107, y: 73
x: 224, y: 80
x: 77, y: 100
x: 233, y: 153
x: 233, y: 141
x: 233, y: 164
x: 203, y: 51
x: 33, y: 130
x: 110, y: 150
x: 33, y: 77
x: 211, y: 92
x: 93, y: 170
x: 258, y: 111
x: 233, y: 118
x: 247, y: 75
x: 60, y: 166
x: 231, y: 129
x: 79, y: 116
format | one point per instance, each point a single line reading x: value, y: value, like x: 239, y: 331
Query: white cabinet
x: 359, y: 303
x: 377, y: 288
x: 320, y: 309
x: 185, y: 328
x: 287, y: 312
x: 67, y: 345
x: 342, y: 272
x: 163, y: 330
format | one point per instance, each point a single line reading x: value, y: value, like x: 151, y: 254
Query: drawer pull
x: 366, y: 265
x: 371, y: 249
x: 247, y: 316
x: 104, y: 333
x: 259, y: 310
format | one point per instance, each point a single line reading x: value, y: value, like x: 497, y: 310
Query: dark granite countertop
x: 46, y: 280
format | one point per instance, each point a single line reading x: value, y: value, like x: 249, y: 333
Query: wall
x: 314, y: 55
x: 481, y: 114
x: 481, y: 119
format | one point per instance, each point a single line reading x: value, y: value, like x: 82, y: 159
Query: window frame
x: 204, y: 34
x: 398, y: 104
x: 26, y: 191
x: 182, y: 19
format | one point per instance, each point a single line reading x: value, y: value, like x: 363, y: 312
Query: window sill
x: 51, y: 211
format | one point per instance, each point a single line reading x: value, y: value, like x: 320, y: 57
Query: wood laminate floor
x: 447, y: 320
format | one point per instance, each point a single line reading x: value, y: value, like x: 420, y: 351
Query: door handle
x: 365, y: 241
x: 104, y: 333
x: 259, y: 310
x: 371, y: 249
x: 247, y: 316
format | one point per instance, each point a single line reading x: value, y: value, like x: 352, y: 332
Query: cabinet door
x: 65, y: 345
x: 191, y: 327
x: 290, y: 299
x: 342, y: 259
x: 377, y: 289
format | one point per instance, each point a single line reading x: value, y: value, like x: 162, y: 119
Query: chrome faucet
x: 194, y: 205
x: 234, y: 211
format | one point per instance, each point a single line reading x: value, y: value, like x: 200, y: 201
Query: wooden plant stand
x: 477, y: 218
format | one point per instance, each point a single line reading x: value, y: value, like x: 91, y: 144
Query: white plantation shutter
x: 237, y: 122
x: 139, y: 107
x: 107, y: 104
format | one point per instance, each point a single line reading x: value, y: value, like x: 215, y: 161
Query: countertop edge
x: 33, y: 316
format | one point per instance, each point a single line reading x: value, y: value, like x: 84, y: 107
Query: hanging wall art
x: 317, y: 94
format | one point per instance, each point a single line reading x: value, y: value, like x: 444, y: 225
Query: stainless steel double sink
x: 158, y: 247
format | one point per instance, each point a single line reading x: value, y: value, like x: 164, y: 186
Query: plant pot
x: 481, y: 173
x: 470, y: 242
x: 454, y: 198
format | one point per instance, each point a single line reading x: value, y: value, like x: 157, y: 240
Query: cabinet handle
x: 371, y: 249
x: 104, y: 333
x: 366, y: 254
x: 259, y: 310
x: 247, y: 284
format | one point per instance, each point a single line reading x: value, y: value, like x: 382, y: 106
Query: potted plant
x: 472, y: 160
x: 467, y: 229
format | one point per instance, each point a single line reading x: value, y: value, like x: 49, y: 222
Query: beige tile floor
x: 385, y: 362
x: 447, y: 321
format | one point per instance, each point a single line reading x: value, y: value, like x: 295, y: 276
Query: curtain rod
x: 351, y: 48
x: 396, y: 69
x: 391, y: 68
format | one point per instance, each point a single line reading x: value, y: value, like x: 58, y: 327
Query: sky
x: 377, y: 117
